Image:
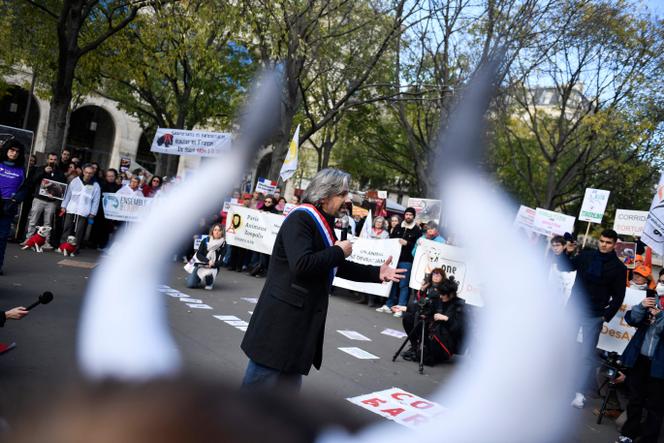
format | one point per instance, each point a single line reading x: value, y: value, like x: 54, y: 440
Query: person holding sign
x: 44, y: 204
x: 285, y: 334
x: 598, y: 293
x: 207, y: 260
x: 644, y: 356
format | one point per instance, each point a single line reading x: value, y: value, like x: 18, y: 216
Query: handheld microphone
x: 344, y: 227
x: 44, y: 299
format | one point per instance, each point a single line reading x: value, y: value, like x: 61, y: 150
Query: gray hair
x: 326, y: 183
x: 383, y: 222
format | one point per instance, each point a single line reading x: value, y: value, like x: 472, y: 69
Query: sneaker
x: 209, y: 287
x: 579, y: 401
x: 384, y: 309
x: 623, y: 439
x: 398, y: 314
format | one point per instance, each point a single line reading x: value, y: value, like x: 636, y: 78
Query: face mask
x: 640, y: 287
x: 660, y: 289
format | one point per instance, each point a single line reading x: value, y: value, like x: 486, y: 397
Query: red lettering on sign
x: 398, y: 395
x: 375, y: 402
x: 421, y: 404
x: 393, y: 412
x: 416, y: 419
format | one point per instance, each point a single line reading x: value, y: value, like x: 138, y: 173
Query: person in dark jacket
x: 285, y: 334
x: 408, y: 233
x: 16, y: 313
x: 13, y: 188
x: 597, y: 294
x: 263, y: 260
x: 207, y: 259
x: 644, y: 356
x: 44, y: 205
x: 103, y: 227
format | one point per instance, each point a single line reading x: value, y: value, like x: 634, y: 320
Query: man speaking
x: 285, y: 333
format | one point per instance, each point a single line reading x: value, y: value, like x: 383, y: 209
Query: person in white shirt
x: 133, y: 188
x: 80, y: 205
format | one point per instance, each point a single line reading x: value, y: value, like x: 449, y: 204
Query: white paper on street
x: 236, y: 322
x: 198, y: 306
x: 359, y: 353
x: 394, y: 333
x: 253, y: 300
x: 353, y: 335
x: 225, y: 317
x: 190, y: 300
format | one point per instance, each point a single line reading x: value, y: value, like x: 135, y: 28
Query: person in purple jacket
x: 12, y: 188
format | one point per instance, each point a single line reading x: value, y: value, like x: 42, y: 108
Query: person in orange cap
x: 641, y: 278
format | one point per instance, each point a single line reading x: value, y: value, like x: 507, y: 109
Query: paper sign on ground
x: 225, y: 317
x: 198, y: 306
x: 236, y: 322
x: 253, y: 300
x: 617, y: 333
x: 594, y: 205
x: 551, y: 223
x: 194, y: 143
x: 359, y: 353
x: 394, y: 333
x: 353, y: 335
x: 451, y: 259
x: 368, y: 251
x: 190, y: 300
x: 400, y: 406
x: 628, y: 222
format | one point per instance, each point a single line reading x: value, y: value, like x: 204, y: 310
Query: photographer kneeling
x: 442, y: 311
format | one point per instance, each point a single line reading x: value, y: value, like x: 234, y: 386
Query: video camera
x: 611, y: 365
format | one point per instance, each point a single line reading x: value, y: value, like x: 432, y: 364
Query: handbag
x: 190, y: 266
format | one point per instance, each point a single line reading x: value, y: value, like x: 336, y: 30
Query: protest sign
x: 124, y: 207
x: 400, y: 406
x: 617, y: 333
x: 653, y: 231
x: 628, y: 222
x: 194, y: 143
x: 425, y: 209
x: 52, y: 189
x: 550, y: 223
x: 594, y: 205
x: 451, y: 259
x: 288, y: 207
x: 626, y: 252
x: 371, y: 252
x: 198, y: 239
x: 265, y: 186
x: 125, y: 164
x: 525, y: 218
x: 252, y: 229
x: 22, y: 135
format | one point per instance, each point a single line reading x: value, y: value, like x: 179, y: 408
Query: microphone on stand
x: 44, y: 299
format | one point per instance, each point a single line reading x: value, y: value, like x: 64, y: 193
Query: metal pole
x: 29, y: 104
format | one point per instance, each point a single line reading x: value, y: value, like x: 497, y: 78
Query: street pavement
x: 44, y: 360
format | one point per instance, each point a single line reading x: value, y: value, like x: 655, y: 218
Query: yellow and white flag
x: 290, y: 163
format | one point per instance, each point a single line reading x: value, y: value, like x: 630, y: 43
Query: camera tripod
x: 611, y: 390
x: 421, y: 323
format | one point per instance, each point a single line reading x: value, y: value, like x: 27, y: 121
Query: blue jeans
x: 5, y: 228
x: 401, y: 292
x: 259, y: 376
x: 194, y: 281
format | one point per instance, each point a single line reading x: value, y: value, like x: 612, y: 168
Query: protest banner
x: 265, y: 186
x: 451, y: 259
x: 52, y: 189
x: 653, y: 231
x: 626, y: 252
x: 550, y: 223
x: 194, y: 143
x: 594, y: 205
x: 371, y: 252
x: 617, y: 333
x: 124, y: 207
x: 228, y: 203
x: 252, y: 229
x: 426, y: 209
x: 628, y: 222
x: 400, y: 406
x: 525, y: 218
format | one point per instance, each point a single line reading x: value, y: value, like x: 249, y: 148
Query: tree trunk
x: 62, y: 96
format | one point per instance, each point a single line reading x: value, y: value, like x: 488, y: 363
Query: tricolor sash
x: 322, y: 225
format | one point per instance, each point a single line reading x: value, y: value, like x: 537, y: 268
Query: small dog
x: 68, y: 247
x: 38, y: 239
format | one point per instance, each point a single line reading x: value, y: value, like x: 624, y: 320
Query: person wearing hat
x: 407, y: 233
x: 641, y: 278
x: 13, y: 188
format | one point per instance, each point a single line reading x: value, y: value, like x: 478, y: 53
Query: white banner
x: 193, y: 143
x: 252, y: 229
x: 594, y: 205
x: 124, y: 207
x: 628, y: 222
x: 617, y: 333
x: 400, y: 406
x: 525, y: 218
x: 451, y: 259
x: 371, y: 252
x: 550, y: 223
